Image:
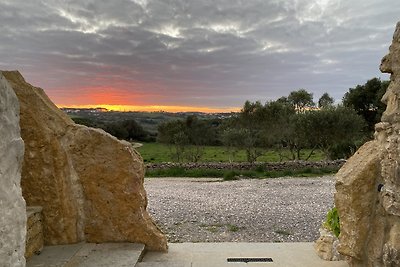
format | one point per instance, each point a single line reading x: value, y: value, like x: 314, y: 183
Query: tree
x: 117, y: 130
x: 301, y: 100
x: 135, y: 130
x: 173, y: 133
x: 325, y: 101
x: 86, y: 121
x: 242, y: 138
x: 187, y: 137
x: 246, y: 130
x: 326, y: 128
x: 277, y: 126
x: 199, y: 134
x: 366, y: 101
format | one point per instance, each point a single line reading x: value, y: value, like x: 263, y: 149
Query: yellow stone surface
x: 89, y: 184
x: 368, y: 185
x: 34, y: 231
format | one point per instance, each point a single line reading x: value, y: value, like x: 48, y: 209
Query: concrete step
x: 88, y: 255
x: 216, y: 255
x: 163, y: 264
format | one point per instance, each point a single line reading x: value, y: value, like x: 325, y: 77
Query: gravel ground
x: 251, y: 210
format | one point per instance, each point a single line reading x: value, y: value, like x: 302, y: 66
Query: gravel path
x: 251, y: 210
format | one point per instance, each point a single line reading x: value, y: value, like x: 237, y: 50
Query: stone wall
x: 270, y: 166
x: 89, y: 184
x: 12, y: 205
x: 368, y: 185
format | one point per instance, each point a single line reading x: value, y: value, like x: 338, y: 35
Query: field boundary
x: 268, y: 166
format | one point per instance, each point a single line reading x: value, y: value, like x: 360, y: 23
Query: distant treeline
x: 126, y: 129
x: 292, y: 123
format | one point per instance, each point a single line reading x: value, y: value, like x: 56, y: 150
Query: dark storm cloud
x: 206, y: 53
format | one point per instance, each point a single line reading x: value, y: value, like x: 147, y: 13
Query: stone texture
x: 89, y: 184
x: 326, y: 246
x: 368, y: 185
x: 272, y: 166
x: 34, y: 231
x: 12, y: 205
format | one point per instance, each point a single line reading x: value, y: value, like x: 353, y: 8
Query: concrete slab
x: 54, y: 256
x: 216, y: 254
x: 88, y: 255
x: 160, y: 264
x: 110, y: 254
x: 180, y: 255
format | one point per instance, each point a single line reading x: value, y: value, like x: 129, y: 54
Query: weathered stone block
x: 89, y: 184
x: 12, y: 205
x: 34, y: 231
x: 326, y: 246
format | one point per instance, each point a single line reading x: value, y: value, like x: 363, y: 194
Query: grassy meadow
x: 156, y: 153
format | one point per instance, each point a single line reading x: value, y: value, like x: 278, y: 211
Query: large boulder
x: 368, y: 185
x: 12, y: 205
x: 89, y: 184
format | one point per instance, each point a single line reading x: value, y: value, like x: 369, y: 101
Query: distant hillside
x: 148, y: 120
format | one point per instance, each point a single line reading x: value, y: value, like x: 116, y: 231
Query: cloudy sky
x: 194, y: 53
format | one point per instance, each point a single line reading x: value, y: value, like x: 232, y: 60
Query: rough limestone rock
x: 34, y: 232
x: 89, y: 184
x: 326, y: 246
x: 368, y: 185
x: 12, y: 205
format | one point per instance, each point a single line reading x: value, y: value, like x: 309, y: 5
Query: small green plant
x: 230, y: 175
x: 332, y: 221
x: 232, y: 227
x: 283, y: 232
x: 213, y: 228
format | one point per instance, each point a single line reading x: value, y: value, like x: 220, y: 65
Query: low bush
x: 230, y: 175
x: 332, y: 221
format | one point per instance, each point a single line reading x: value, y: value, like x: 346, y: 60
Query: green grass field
x: 235, y: 174
x: 156, y: 152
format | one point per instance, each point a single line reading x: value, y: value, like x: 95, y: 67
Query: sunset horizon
x: 151, y: 108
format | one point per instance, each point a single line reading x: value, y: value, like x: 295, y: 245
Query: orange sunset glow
x: 125, y: 108
x: 122, y: 99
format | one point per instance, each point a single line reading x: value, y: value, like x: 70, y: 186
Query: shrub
x: 260, y: 168
x: 332, y: 221
x: 342, y: 150
x: 230, y: 176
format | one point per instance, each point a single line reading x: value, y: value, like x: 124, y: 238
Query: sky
x: 205, y: 55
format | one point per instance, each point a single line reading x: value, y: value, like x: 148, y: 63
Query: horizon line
x: 152, y: 108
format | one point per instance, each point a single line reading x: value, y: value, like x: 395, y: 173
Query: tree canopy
x: 301, y: 100
x: 325, y: 101
x: 366, y: 100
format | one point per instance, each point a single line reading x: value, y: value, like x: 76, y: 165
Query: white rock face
x: 12, y: 204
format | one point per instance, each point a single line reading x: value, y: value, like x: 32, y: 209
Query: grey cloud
x: 204, y: 52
